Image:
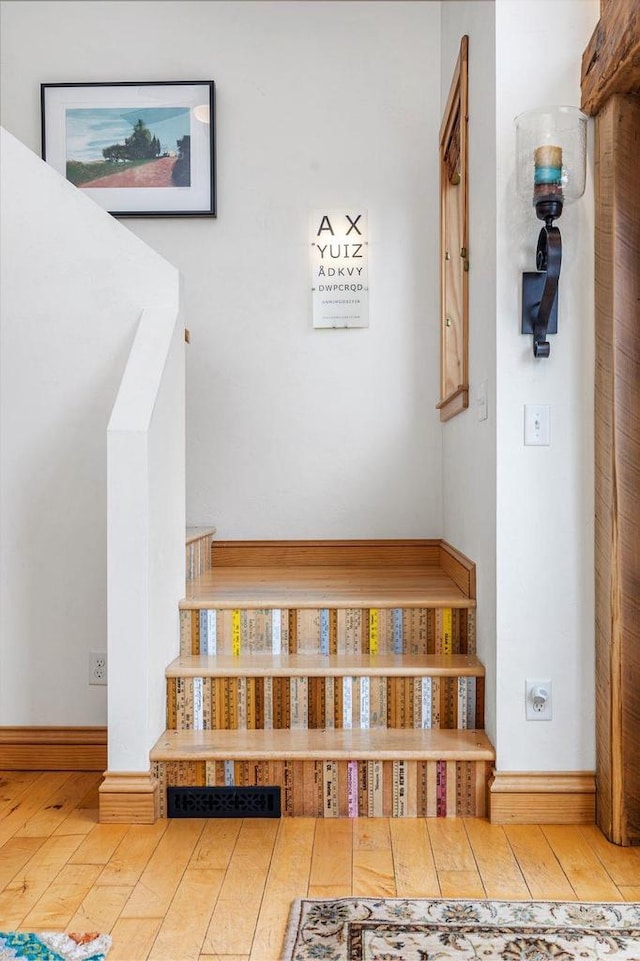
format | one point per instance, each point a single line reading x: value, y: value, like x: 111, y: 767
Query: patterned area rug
x: 53, y: 946
x: 366, y: 929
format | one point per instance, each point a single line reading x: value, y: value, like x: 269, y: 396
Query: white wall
x: 69, y: 315
x: 296, y: 433
x: 525, y: 514
x: 544, y: 534
x: 469, y: 445
x: 291, y: 432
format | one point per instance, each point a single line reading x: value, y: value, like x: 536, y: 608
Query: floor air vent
x: 223, y: 802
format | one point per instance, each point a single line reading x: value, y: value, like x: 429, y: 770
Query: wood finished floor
x: 198, y: 890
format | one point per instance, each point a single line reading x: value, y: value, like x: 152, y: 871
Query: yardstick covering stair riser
x: 299, y: 702
x: 332, y: 788
x: 328, y: 631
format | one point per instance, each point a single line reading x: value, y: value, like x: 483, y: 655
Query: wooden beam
x: 617, y: 469
x: 611, y: 61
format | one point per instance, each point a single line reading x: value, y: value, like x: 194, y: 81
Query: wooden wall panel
x: 617, y: 416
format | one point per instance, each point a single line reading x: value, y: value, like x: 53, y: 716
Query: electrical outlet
x: 97, y: 667
x: 538, y: 700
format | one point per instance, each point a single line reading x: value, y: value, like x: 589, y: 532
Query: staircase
x: 343, y: 673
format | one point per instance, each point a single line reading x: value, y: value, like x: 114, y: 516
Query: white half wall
x: 544, y: 531
x: 69, y: 314
x: 146, y: 534
x: 291, y: 432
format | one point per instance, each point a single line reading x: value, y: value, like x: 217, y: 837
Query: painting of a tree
x: 141, y: 145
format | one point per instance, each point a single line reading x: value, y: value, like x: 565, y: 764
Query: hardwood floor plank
x: 371, y: 834
x: 291, y: 861
x: 622, y: 864
x: 14, y: 854
x: 461, y: 884
x: 450, y: 845
x: 586, y: 874
x: 101, y: 908
x: 62, y: 899
x: 216, y: 843
x: 158, y: 882
x: 133, y: 854
x: 33, y: 880
x: 249, y: 864
x: 12, y: 785
x: 270, y: 928
x: 82, y: 820
x: 331, y: 864
x: 133, y: 938
x: 288, y: 876
x: 228, y: 957
x: 327, y: 891
x: 30, y: 801
x: 414, y: 866
x: 232, y: 926
x: 61, y: 804
x: 501, y: 877
x: 373, y: 873
x: 630, y: 892
x: 183, y: 930
x: 545, y: 878
x: 100, y: 844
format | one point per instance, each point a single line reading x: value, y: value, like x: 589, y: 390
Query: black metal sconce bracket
x: 540, y: 291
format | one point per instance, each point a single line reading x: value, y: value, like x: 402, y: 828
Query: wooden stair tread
x: 335, y: 744
x: 335, y: 665
x: 324, y: 587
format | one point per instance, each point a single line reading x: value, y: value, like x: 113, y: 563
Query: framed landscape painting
x: 137, y: 149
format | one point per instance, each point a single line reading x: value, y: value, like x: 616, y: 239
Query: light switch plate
x: 537, y: 425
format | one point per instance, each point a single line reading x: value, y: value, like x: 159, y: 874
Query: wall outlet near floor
x: 538, y: 700
x: 97, y: 667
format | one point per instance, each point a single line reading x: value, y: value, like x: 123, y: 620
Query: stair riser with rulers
x: 355, y: 788
x: 309, y: 703
x: 328, y: 631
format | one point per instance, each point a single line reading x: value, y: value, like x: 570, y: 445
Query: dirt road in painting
x: 156, y: 173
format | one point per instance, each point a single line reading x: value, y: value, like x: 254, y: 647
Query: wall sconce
x: 551, y: 169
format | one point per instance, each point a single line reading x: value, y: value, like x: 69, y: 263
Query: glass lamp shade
x: 551, y: 147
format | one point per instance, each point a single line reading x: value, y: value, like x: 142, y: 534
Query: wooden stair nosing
x: 323, y: 665
x: 265, y: 598
x: 332, y: 744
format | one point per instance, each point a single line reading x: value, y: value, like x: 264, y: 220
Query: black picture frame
x: 159, y: 138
